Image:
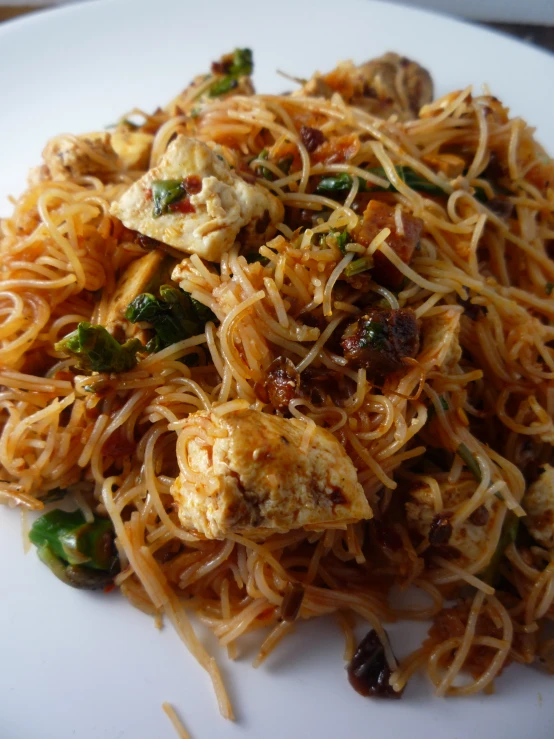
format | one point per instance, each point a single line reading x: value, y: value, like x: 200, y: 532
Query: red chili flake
x: 182, y: 206
x: 311, y: 137
x: 192, y: 184
x: 440, y: 531
x: 109, y: 588
x: 148, y: 194
x: 480, y: 516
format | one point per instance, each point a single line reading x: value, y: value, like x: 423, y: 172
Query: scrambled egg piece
x: 539, y: 506
x: 69, y: 157
x: 132, y: 147
x: 244, y: 472
x: 469, y: 539
x: 134, y: 281
x: 219, y: 206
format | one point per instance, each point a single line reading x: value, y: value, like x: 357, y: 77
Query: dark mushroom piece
x: 368, y: 671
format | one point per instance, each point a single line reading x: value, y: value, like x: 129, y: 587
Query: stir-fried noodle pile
x: 338, y: 275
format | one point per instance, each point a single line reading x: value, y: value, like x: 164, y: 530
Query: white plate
x: 85, y: 665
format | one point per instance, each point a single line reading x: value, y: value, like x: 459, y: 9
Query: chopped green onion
x: 508, y: 535
x: 342, y: 239
x: 358, y: 265
x: 548, y: 288
x: 78, y: 552
x: 266, y: 173
x: 432, y: 410
x: 469, y: 460
x: 130, y: 124
x: 165, y: 193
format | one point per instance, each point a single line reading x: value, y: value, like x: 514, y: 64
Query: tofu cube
x: 71, y: 157
x: 219, y: 206
x: 538, y: 503
x: 245, y: 472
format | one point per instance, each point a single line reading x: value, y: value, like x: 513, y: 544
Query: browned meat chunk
x: 381, y: 340
x: 378, y: 216
x: 449, y: 164
x: 282, y: 383
x: 390, y: 84
x: 318, y: 385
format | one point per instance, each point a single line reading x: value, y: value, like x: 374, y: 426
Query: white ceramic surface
x: 83, y: 665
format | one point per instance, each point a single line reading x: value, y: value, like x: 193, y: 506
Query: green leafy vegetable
x: 412, y: 178
x: 241, y: 65
x: 374, y: 335
x: 343, y: 182
x: 470, y: 461
x: 96, y: 350
x: 255, y: 257
x: 174, y: 316
x: 548, y: 288
x: 285, y: 164
x: 334, y: 184
x: 480, y: 194
x: 357, y: 266
x: 165, y: 193
x: 203, y: 313
x: 508, y: 536
x: 223, y: 86
x: 80, y: 554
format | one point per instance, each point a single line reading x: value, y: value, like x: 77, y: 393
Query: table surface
x: 542, y: 36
